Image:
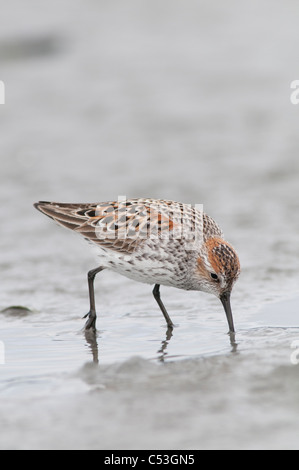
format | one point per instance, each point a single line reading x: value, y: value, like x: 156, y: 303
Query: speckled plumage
x: 154, y: 241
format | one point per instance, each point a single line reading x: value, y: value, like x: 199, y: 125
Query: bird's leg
x: 157, y: 296
x: 92, y: 315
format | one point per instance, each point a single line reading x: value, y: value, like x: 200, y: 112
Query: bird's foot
x: 91, y: 320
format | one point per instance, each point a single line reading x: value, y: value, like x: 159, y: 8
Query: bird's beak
x: 225, y: 299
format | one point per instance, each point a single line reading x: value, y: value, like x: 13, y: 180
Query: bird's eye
x: 214, y: 277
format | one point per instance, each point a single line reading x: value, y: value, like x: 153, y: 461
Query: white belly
x: 142, y: 268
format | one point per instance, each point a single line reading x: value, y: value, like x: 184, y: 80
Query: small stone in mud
x: 17, y: 311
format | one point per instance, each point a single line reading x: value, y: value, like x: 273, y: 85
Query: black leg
x: 92, y: 315
x: 157, y: 296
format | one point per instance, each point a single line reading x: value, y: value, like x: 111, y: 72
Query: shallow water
x: 148, y: 100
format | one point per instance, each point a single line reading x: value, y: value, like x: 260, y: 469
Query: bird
x: 154, y: 241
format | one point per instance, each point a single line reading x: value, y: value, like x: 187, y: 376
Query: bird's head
x: 218, y: 269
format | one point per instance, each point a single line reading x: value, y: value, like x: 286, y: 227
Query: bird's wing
x: 123, y: 225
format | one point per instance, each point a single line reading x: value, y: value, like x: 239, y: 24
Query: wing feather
x: 124, y: 225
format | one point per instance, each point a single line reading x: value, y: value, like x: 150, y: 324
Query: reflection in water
x: 163, y: 350
x: 234, y: 344
x: 91, y: 339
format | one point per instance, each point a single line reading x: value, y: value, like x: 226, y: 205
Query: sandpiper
x: 154, y: 241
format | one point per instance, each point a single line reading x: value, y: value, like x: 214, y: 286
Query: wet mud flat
x: 243, y: 397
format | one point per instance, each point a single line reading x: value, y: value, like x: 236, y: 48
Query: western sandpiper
x: 156, y: 242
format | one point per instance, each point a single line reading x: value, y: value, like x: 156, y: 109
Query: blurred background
x: 155, y: 99
x: 187, y: 101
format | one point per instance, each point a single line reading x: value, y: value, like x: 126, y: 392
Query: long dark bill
x: 225, y: 299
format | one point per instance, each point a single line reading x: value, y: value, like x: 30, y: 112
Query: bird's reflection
x: 92, y: 341
x: 234, y: 344
x: 162, y: 353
